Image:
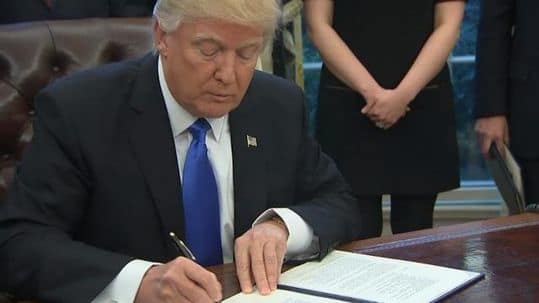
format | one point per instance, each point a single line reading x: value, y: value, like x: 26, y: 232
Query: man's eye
x: 208, y: 51
x: 207, y: 48
x: 248, y: 53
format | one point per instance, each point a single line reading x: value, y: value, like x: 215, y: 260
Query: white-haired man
x: 189, y: 141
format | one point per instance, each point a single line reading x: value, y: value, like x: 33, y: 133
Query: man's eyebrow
x: 200, y: 38
x: 255, y: 42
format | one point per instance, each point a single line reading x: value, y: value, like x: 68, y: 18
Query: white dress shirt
x: 301, y: 241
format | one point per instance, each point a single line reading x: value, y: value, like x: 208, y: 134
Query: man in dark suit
x: 110, y: 172
x: 34, y: 10
x: 507, y: 105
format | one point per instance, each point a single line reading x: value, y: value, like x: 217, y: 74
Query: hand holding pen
x: 180, y: 280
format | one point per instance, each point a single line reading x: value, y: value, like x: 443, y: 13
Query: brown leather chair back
x: 33, y: 54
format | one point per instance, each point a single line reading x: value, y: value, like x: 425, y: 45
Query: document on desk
x: 351, y: 277
x: 279, y: 296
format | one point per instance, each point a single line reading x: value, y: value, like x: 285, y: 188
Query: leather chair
x: 33, y: 54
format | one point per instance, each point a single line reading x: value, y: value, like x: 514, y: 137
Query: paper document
x: 279, y: 296
x: 352, y: 277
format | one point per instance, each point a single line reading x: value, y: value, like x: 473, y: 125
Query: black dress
x: 419, y: 153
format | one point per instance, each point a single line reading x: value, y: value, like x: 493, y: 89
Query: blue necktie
x: 200, y: 200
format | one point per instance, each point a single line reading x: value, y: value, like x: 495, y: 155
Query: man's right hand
x: 491, y: 129
x: 180, y: 280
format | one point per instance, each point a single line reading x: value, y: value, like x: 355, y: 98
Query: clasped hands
x: 385, y: 107
x: 259, y: 255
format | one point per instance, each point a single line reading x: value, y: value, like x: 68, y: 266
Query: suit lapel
x: 152, y: 141
x: 250, y: 165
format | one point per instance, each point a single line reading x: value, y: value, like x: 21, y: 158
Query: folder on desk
x: 351, y: 277
x: 359, y: 278
x: 506, y: 173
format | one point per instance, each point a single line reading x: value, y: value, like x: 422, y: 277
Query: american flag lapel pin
x: 251, y: 141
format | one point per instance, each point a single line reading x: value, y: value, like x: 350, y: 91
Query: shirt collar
x: 179, y: 118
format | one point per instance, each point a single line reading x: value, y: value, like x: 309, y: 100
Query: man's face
x: 209, y: 63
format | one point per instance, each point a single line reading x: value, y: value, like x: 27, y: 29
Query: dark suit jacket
x: 99, y: 185
x: 508, y: 69
x: 12, y: 11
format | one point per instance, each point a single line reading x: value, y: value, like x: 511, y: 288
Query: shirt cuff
x: 125, y: 285
x: 302, y: 243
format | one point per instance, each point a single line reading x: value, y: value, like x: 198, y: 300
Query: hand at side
x: 491, y: 129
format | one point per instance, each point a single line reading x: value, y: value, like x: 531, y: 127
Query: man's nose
x: 225, y: 68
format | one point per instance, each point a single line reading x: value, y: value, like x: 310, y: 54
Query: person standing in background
x: 385, y: 109
x: 507, y: 104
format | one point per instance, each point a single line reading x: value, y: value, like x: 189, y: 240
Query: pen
x: 182, y: 247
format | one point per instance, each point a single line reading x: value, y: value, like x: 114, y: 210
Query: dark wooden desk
x: 505, y: 249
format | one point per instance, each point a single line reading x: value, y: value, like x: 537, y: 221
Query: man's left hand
x: 259, y: 256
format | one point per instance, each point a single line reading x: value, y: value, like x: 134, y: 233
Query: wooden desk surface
x: 505, y: 249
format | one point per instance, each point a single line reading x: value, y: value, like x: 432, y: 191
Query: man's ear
x: 160, y: 39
